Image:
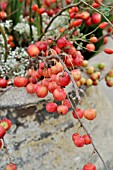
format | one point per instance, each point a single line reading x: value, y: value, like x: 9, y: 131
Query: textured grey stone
x: 47, y: 145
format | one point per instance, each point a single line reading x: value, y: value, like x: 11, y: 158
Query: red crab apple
x: 75, y: 136
x: 76, y: 74
x: 79, y: 142
x: 41, y: 91
x: 62, y: 79
x: 89, y: 166
x: 103, y: 25
x: 90, y: 114
x: 98, y: 1
x: 51, y: 107
x: 87, y: 139
x: 2, y: 132
x: 90, y: 47
x: 30, y: 88
x: 33, y: 50
x: 52, y: 86
x: 67, y: 103
x: 6, y: 123
x: 3, y: 83
x: 62, y: 109
x: 79, y: 112
x: 96, y: 5
x: 34, y: 7
x: 59, y: 94
x: 62, y: 42
x: 42, y: 45
x: 11, y: 166
x: 20, y: 81
x: 96, y: 18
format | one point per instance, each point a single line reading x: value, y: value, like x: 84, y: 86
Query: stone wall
x: 39, y: 140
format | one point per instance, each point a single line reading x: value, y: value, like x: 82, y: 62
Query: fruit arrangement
x: 57, y: 57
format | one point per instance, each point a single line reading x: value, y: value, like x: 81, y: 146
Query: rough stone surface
x: 46, y: 144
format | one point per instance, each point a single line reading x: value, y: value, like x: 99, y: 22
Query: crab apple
x: 82, y: 81
x: 59, y: 94
x: 2, y: 132
x: 95, y: 83
x: 41, y: 91
x: 63, y: 79
x: 67, y: 103
x: 75, y: 9
x: 85, y: 63
x: 89, y: 82
x: 90, y: 47
x: 96, y: 18
x: 11, y: 166
x: 90, y: 70
x: 33, y: 50
x: 42, y: 45
x: 46, y: 82
x: 88, y: 22
x: 1, y: 144
x: 20, y: 81
x: 94, y: 76
x: 85, y: 15
x: 76, y: 23
x: 75, y: 136
x: 78, y: 112
x: 62, y: 109
x: 76, y: 74
x: 30, y: 88
x: 110, y: 29
x: 78, y: 61
x: 51, y: 107
x: 57, y: 49
x: 34, y: 7
x: 101, y: 66
x: 79, y: 142
x: 52, y: 86
x: 62, y: 42
x: 6, y: 123
x: 41, y: 11
x: 87, y: 139
x: 96, y: 5
x: 69, y: 61
x: 93, y: 39
x: 103, y: 25
x: 110, y: 74
x: 3, y: 83
x: 109, y: 83
x: 90, y: 114
x: 72, y: 15
x: 56, y: 69
x: 105, y: 40
x: 98, y: 1
x: 3, y: 15
x: 108, y: 51
x: 89, y: 166
x: 68, y: 1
